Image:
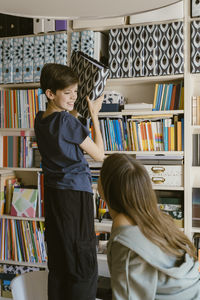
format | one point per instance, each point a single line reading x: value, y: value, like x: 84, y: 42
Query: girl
x: 68, y: 198
x: 148, y: 256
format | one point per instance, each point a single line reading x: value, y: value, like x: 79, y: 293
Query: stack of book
x: 196, y: 110
x: 168, y: 96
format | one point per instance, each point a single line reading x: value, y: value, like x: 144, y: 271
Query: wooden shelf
x: 13, y: 262
x: 141, y: 80
x: 21, y: 218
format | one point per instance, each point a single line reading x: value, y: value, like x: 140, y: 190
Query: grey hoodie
x: 140, y: 270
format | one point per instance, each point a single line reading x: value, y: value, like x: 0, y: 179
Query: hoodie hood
x: 133, y: 238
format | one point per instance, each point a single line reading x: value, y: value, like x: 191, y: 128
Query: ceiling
x: 73, y: 9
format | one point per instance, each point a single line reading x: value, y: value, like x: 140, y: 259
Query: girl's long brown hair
x: 127, y: 189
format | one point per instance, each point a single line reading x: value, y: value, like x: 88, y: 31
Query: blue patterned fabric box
x: 8, y: 60
x: 87, y: 42
x: 61, y: 48
x: 38, y: 60
x: 75, y: 41
x: 49, y: 56
x: 28, y: 54
x: 17, y: 59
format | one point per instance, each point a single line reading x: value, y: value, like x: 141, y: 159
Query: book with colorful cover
x: 24, y: 202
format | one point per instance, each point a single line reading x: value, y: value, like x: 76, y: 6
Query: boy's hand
x: 94, y: 106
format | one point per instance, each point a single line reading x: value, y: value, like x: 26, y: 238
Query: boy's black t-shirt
x: 64, y: 165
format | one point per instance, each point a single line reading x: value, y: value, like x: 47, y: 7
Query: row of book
x: 22, y: 241
x: 18, y: 108
x: 168, y: 96
x: 146, y: 50
x: 196, y: 110
x: 196, y: 150
x: 129, y: 134
x: 22, y: 58
x: 18, y: 199
x: 195, y: 207
x: 19, y: 152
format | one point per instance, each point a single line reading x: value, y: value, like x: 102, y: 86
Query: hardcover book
x: 24, y: 202
x: 92, y: 76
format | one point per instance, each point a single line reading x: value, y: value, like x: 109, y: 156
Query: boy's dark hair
x: 57, y: 77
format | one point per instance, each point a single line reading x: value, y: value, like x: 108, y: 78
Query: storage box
x: 170, y: 12
x: 77, y: 24
x: 195, y: 8
x: 60, y: 25
x: 166, y: 175
x: 49, y: 25
x: 38, y: 26
x: 110, y: 107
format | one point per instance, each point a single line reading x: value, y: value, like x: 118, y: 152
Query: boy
x: 69, y: 213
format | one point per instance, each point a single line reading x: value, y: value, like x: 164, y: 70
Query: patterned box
x: 28, y: 54
x: 177, y: 48
x: 61, y: 48
x: 195, y: 47
x: 164, y: 54
x: 150, y: 50
x: 18, y: 60
x: 87, y: 42
x: 138, y: 51
x: 126, y: 52
x: 49, y: 45
x: 115, y: 41
x: 8, y: 60
x: 38, y: 60
x: 75, y: 41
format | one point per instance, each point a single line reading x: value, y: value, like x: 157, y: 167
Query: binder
x: 28, y: 54
x: 75, y: 41
x: 8, y: 60
x: 87, y: 42
x: 18, y: 60
x: 1, y: 60
x: 92, y: 79
x: 38, y: 60
x: 49, y: 44
x: 61, y: 48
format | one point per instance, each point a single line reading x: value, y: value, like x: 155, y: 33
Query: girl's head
x: 57, y: 77
x: 127, y: 187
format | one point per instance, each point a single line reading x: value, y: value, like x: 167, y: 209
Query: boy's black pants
x: 71, y: 244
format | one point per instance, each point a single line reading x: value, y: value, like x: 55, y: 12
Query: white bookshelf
x: 135, y: 90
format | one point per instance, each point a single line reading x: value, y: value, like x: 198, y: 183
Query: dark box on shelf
x: 110, y: 107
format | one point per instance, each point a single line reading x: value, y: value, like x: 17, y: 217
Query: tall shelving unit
x: 192, y: 88
x: 142, y: 88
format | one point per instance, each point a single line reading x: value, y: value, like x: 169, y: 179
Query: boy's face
x: 64, y: 99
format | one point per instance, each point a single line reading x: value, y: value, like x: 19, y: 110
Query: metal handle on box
x: 158, y: 180
x: 157, y: 169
